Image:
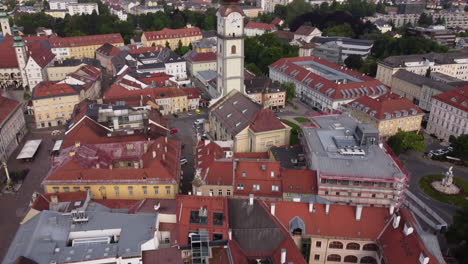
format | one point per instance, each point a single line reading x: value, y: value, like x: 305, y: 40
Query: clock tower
x: 230, y: 49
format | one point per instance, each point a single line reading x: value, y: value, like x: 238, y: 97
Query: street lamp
x: 4, y: 164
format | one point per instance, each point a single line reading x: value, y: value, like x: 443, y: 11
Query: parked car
x: 189, y: 114
x: 174, y: 131
x: 439, y: 152
x: 199, y: 121
x: 449, y: 148
x: 183, y: 161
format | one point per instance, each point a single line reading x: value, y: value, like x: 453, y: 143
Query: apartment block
x: 171, y: 36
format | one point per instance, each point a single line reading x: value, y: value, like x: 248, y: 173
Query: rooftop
x: 7, y: 107
x: 425, y: 59
x: 387, y: 106
x: 258, y: 25
x: 48, y: 89
x: 167, y: 33
x: 262, y: 85
x: 457, y: 98
x: 59, y: 42
x: 290, y: 157
x: 420, y: 80
x: 342, y: 147
x: 334, y: 81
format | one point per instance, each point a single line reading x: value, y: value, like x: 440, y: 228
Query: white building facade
x: 12, y: 128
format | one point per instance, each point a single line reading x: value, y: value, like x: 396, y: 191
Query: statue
x: 448, y: 180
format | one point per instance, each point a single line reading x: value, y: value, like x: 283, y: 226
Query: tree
x: 11, y: 4
x: 353, y: 61
x: 45, y: 5
x: 380, y: 8
x: 290, y: 90
x: 440, y: 21
x: 428, y: 72
x: 425, y: 20
x: 404, y: 141
x: 168, y: 45
x: 460, y: 147
x: 343, y: 30
x: 251, y: 67
x: 457, y: 234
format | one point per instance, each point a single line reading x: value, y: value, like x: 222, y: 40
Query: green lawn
x: 294, y: 139
x: 302, y: 120
x: 457, y: 200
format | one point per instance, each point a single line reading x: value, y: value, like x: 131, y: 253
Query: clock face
x: 234, y: 20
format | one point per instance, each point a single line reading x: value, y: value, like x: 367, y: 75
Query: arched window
x: 350, y: 259
x: 297, y: 231
x: 370, y: 247
x: 353, y: 246
x: 334, y: 257
x: 336, y: 244
x: 369, y: 259
x: 233, y: 49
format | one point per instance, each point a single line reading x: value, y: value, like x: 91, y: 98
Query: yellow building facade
x: 53, y: 104
x: 84, y: 46
x: 171, y: 36
x: 119, y: 191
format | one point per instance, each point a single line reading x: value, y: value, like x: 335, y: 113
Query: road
x: 186, y: 133
x: 419, y: 167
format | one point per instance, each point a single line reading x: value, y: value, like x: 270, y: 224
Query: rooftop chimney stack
x: 407, y: 230
x: 283, y: 256
x: 423, y: 259
x: 272, y: 208
x: 358, y: 212
x: 230, y: 234
x: 311, y: 207
x: 392, y: 209
x: 154, y: 154
x: 327, y: 208
x: 396, y: 222
x: 251, y: 199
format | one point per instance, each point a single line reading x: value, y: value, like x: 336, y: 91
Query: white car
x: 183, y: 161
x: 199, y: 121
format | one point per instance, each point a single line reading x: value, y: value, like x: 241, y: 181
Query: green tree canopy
x: 425, y: 20
x: 460, y: 147
x: 354, y: 61
x: 290, y: 90
x: 404, y: 141
x: 343, y: 30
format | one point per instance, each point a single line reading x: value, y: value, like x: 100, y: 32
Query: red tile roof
x: 335, y: 91
x: 7, y: 107
x: 50, y: 89
x: 299, y: 181
x: 192, y: 93
x: 34, y: 38
x: 398, y: 248
x: 188, y: 203
x: 169, y: 255
x: 7, y: 53
x: 158, y: 79
x: 219, y: 173
x: 277, y: 21
x: 318, y: 223
x: 265, y: 120
x: 258, y: 172
x: 167, y: 33
x: 118, y: 92
x: 40, y: 54
x: 457, y: 98
x: 258, y: 25
x: 108, y: 50
x: 201, y: 56
x: 390, y: 103
x: 137, y: 50
x: 251, y: 155
x: 79, y: 163
x: 43, y: 200
x: 58, y: 42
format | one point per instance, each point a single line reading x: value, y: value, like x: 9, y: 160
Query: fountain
x: 446, y: 185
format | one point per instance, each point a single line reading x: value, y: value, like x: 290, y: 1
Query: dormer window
x: 244, y: 173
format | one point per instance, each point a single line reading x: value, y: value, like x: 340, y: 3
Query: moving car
x: 183, y: 161
x: 174, y: 131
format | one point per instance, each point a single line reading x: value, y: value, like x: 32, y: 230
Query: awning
x: 57, y: 145
x: 29, y: 149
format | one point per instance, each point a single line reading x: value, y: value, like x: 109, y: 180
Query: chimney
x: 396, y: 222
x: 327, y: 208
x: 165, y: 139
x: 54, y: 199
x: 358, y: 212
x: 77, y: 144
x: 311, y: 207
x: 392, y: 209
x: 145, y: 147
x: 164, y: 156
x: 407, y: 230
x: 230, y: 234
x: 97, y: 166
x: 272, y: 208
x: 165, y: 148
x: 423, y: 259
x: 251, y: 199
x: 154, y: 154
x: 283, y: 256
x: 110, y: 166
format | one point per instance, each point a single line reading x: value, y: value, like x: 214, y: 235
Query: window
x: 275, y: 188
x: 350, y: 259
x: 370, y: 247
x: 317, y: 257
x: 240, y: 186
x: 217, y: 219
x: 318, y: 244
x: 211, y: 192
x: 76, y: 189
x: 168, y: 190
x: 256, y: 187
x: 217, y: 236
x: 116, y: 190
x: 336, y: 244
x: 156, y: 190
x: 368, y: 259
x: 334, y: 257
x: 130, y: 190
x: 198, y: 217
x: 233, y: 49
x: 145, y: 190
x: 220, y: 192
x: 272, y: 174
x: 228, y: 192
x: 87, y: 188
x: 244, y: 173
x: 353, y: 246
x: 326, y: 192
